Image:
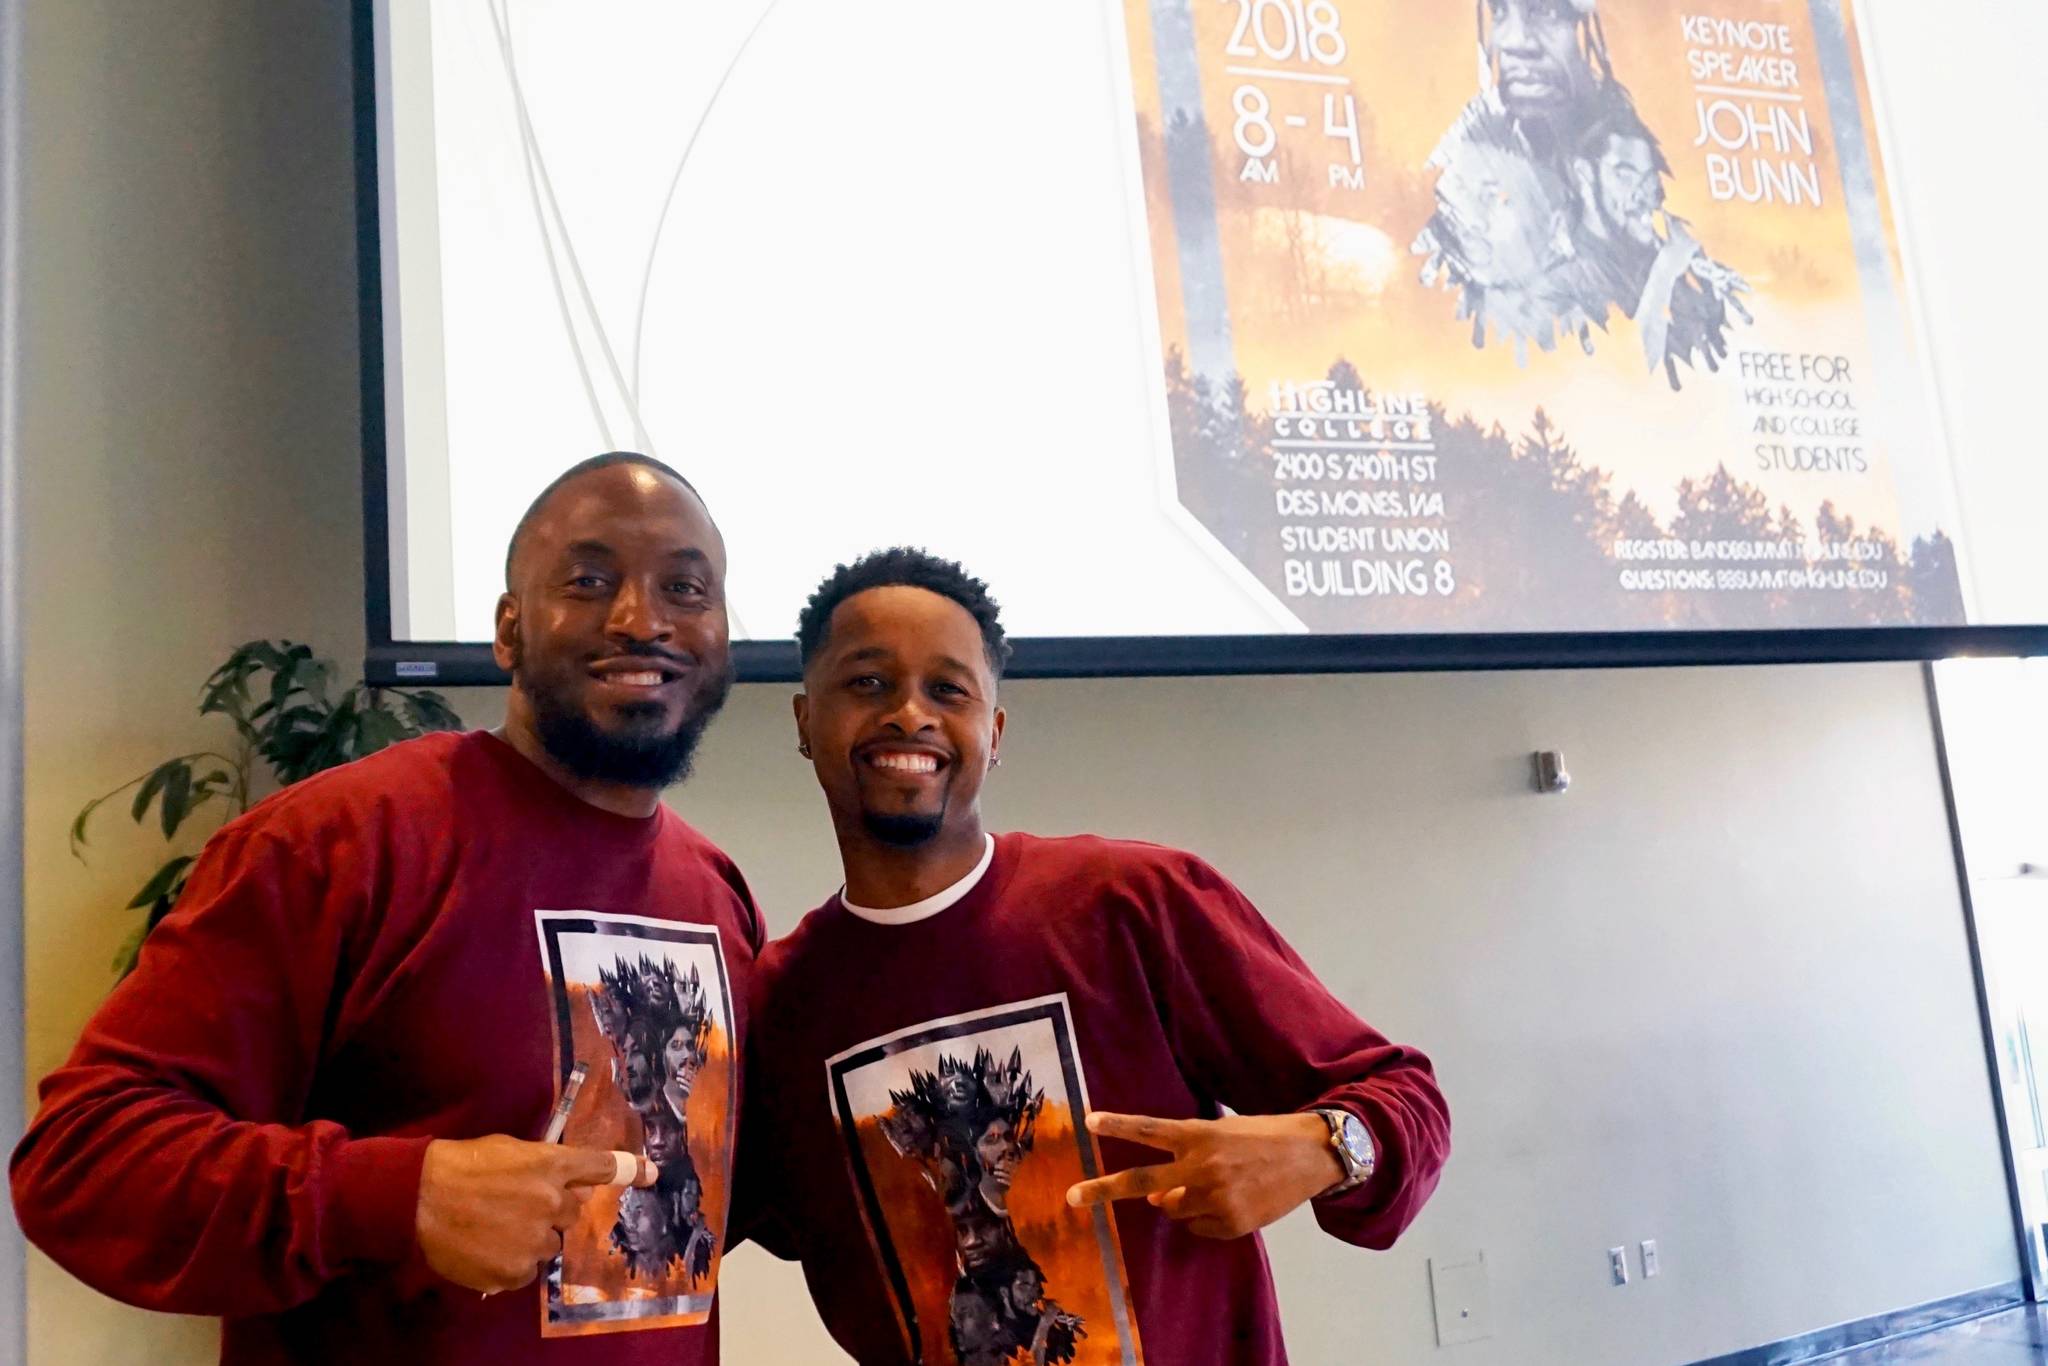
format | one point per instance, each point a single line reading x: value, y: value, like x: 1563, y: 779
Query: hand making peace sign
x: 1228, y: 1177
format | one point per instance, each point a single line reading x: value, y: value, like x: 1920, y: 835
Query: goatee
x: 902, y: 832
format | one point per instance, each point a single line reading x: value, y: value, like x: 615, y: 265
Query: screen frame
x: 389, y: 662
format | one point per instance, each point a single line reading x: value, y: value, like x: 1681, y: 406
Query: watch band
x: 1356, y: 1173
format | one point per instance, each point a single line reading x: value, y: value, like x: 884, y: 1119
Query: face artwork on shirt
x: 962, y: 1136
x: 643, y: 1005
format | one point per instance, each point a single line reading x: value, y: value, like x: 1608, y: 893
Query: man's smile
x: 903, y: 761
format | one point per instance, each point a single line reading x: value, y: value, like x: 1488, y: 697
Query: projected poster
x: 1560, y: 314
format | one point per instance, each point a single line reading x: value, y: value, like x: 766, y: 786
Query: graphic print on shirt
x: 645, y: 1006
x: 962, y: 1136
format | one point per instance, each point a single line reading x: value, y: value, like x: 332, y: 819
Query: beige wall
x: 1716, y: 996
x: 190, y: 443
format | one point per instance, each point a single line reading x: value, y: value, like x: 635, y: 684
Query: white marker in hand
x: 559, y: 1121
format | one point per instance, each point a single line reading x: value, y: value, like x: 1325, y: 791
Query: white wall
x: 1717, y: 995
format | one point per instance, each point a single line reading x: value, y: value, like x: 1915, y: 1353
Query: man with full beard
x: 1634, y: 254
x: 310, y: 1109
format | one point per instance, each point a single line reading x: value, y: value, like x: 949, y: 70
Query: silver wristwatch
x: 1353, y: 1144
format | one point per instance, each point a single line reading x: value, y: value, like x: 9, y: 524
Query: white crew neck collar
x: 931, y: 905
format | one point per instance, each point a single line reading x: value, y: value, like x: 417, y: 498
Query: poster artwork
x: 1539, y: 314
x: 962, y: 1136
x: 644, y: 1006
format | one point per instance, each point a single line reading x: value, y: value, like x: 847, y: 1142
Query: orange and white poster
x: 1534, y: 315
x: 643, y: 1005
x: 962, y: 1136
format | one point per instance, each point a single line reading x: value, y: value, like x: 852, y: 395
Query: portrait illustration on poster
x: 642, y: 1006
x: 962, y: 1136
x: 1582, y: 315
x: 1550, y: 210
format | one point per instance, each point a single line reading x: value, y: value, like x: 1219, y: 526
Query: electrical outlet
x: 1650, y: 1265
x: 1617, y: 1264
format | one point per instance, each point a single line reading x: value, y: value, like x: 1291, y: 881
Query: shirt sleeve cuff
x: 376, y: 1187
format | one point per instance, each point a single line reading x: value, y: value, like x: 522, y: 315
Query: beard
x: 636, y: 759
x: 1625, y: 222
x: 903, y: 831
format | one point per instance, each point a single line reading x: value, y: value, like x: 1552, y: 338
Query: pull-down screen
x: 1232, y: 317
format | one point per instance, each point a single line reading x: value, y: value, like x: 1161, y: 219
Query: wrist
x: 1321, y: 1167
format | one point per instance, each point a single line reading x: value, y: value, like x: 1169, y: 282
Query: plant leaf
x: 162, y: 907
x: 307, y: 739
x: 155, y: 776
x: 295, y: 728
x: 313, y: 676
x: 429, y: 711
x: 177, y: 798
x: 78, y: 826
x: 227, y: 691
x: 283, y: 683
x: 151, y: 785
x: 377, y: 729
x: 305, y: 716
x: 265, y: 654
x: 231, y: 676
x: 130, y: 950
x: 219, y: 783
x: 161, y: 884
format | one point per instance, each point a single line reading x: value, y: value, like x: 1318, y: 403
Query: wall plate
x: 1463, y: 1299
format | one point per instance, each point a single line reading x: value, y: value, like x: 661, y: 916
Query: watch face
x: 1357, y: 1142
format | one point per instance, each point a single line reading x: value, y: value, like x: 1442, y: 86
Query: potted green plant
x: 276, y: 694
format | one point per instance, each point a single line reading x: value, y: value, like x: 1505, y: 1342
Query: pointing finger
x: 634, y: 1169
x: 584, y: 1167
x: 595, y: 1167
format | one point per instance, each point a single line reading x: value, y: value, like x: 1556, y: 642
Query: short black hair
x: 1615, y: 116
x: 575, y: 471
x: 903, y: 566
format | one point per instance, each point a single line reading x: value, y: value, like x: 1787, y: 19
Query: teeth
x: 638, y: 680
x: 906, y: 763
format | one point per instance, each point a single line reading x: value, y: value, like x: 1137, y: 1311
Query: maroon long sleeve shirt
x: 917, y: 1097
x: 377, y: 957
